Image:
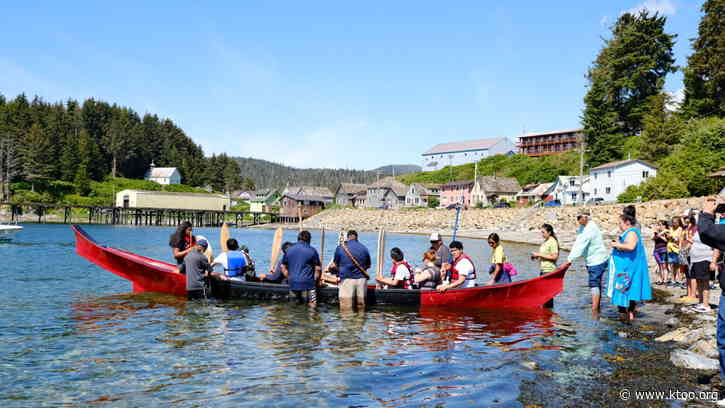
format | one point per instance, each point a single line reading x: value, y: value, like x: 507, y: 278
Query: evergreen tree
x: 36, y: 156
x: 630, y: 68
x: 661, y: 131
x: 705, y: 71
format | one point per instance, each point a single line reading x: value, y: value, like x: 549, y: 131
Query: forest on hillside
x: 267, y: 174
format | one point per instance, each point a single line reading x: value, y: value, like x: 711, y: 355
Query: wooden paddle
x: 223, y: 237
x: 276, y: 247
x: 381, y: 253
x: 322, y: 246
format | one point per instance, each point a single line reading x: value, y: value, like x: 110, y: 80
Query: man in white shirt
x: 463, y: 272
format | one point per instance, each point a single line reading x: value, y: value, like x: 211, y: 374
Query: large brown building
x: 541, y: 144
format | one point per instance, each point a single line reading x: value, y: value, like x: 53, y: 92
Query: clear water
x: 72, y: 334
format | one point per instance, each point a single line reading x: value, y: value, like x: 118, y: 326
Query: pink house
x: 456, y: 192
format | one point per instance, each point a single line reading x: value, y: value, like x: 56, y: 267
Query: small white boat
x: 7, y: 231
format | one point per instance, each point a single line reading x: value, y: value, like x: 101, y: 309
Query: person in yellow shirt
x: 548, y: 251
x: 674, y: 234
x: 498, y: 258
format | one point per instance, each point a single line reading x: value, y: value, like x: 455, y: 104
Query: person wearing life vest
x: 401, y: 276
x: 233, y: 261
x: 463, y: 272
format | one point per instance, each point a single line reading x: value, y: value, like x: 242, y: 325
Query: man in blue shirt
x: 352, y: 260
x: 301, y: 266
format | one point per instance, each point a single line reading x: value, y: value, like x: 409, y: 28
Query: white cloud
x: 663, y: 7
x: 676, y: 99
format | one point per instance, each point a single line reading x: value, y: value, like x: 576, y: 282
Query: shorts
x: 660, y: 255
x: 596, y: 272
x: 701, y: 270
x: 353, y: 288
x: 303, y: 296
x: 673, y: 257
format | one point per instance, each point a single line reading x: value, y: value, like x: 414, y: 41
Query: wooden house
x: 387, y: 193
x: 420, y: 195
x: 292, y: 206
x: 345, y: 193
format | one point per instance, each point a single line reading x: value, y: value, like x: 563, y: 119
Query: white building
x: 610, y: 180
x: 567, y: 190
x: 163, y: 175
x: 457, y: 153
x: 162, y: 199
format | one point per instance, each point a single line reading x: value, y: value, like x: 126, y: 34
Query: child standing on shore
x: 660, y: 252
x: 674, y: 235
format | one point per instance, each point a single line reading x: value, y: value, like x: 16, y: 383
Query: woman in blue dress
x: 629, y: 274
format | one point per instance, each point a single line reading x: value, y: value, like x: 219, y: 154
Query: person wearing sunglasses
x: 589, y: 244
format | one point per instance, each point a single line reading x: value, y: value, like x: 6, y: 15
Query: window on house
x: 572, y: 182
x: 573, y: 196
x: 595, y: 191
x: 608, y: 190
x: 645, y: 174
x: 595, y: 176
x: 609, y: 174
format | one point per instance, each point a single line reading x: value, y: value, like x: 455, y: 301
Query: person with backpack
x: 401, y: 274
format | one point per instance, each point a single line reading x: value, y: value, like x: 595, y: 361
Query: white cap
x: 435, y: 237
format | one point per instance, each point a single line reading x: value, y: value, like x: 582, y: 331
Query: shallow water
x: 73, y: 334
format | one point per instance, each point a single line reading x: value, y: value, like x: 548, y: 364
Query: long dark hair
x: 550, y: 230
x: 178, y: 236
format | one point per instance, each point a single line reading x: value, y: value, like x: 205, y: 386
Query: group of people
x: 684, y: 261
x: 628, y: 280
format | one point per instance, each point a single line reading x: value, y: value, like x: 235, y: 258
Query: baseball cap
x: 202, y: 243
x: 435, y: 237
x: 583, y: 213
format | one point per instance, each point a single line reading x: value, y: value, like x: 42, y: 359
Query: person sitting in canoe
x: 182, y: 242
x: 275, y: 274
x: 499, y: 273
x: 463, y: 272
x: 401, y: 275
x: 250, y: 272
x: 429, y: 274
x: 233, y: 261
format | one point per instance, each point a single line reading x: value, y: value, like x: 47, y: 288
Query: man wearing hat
x: 443, y: 254
x: 589, y: 244
x: 197, y: 268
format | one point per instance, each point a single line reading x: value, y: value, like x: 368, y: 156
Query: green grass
x: 526, y: 170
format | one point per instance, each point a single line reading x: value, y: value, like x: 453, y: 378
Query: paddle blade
x: 276, y: 247
x: 223, y: 237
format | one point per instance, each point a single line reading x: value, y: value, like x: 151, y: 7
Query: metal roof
x: 623, y: 163
x: 478, y: 144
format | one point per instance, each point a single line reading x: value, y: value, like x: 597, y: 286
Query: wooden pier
x: 141, y: 216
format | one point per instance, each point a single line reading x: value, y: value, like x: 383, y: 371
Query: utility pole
x: 581, y: 168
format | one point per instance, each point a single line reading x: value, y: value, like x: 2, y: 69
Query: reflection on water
x: 71, y: 334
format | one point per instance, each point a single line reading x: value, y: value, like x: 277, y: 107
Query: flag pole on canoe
x: 381, y: 253
x: 455, y: 225
x: 223, y: 237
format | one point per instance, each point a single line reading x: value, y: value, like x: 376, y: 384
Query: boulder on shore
x: 692, y: 360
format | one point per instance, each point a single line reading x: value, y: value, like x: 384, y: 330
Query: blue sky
x: 325, y: 84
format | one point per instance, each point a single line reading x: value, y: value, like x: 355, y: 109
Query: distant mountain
x: 398, y: 169
x: 266, y: 174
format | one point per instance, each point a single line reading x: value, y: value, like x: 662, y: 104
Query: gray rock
x: 706, y: 347
x: 672, y: 322
x: 706, y: 317
x: 622, y: 335
x: 692, y: 360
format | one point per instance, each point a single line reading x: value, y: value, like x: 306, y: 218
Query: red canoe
x: 150, y: 275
